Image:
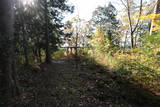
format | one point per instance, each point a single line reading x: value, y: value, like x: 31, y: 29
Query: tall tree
x: 7, y: 62
x: 38, y: 27
x: 53, y: 10
x: 155, y: 20
x: 105, y: 17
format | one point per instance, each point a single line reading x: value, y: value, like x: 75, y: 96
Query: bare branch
x: 123, y: 4
x: 129, y: 15
x: 140, y: 13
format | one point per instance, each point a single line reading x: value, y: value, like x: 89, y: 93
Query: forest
x: 79, y: 53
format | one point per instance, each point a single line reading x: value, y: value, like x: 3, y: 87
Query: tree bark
x: 125, y: 40
x: 132, y: 40
x: 7, y: 62
x: 47, y: 47
x: 156, y: 11
x: 25, y: 46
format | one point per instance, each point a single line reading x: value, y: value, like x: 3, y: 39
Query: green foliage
x: 100, y: 43
x: 151, y: 41
x: 38, y: 28
x: 139, y: 65
x: 105, y: 17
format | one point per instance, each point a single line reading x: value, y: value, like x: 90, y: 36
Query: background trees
x: 39, y: 31
x: 105, y: 18
x: 38, y: 28
x: 27, y: 33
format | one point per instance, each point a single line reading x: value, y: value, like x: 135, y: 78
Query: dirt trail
x: 60, y: 84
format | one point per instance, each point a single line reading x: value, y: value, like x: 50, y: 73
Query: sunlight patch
x: 28, y: 2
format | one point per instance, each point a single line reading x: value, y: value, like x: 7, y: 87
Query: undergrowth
x: 139, y: 65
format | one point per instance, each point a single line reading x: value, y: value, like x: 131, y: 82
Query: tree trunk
x: 47, y: 47
x: 156, y: 11
x: 76, y: 49
x: 39, y: 54
x: 135, y: 41
x: 132, y: 29
x: 26, y: 52
x: 110, y: 36
x: 132, y: 40
x: 7, y: 61
x: 39, y: 50
x: 125, y: 40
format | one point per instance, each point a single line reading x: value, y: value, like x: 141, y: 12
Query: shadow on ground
x: 61, y: 84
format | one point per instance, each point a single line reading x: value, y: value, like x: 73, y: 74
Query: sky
x: 85, y: 7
